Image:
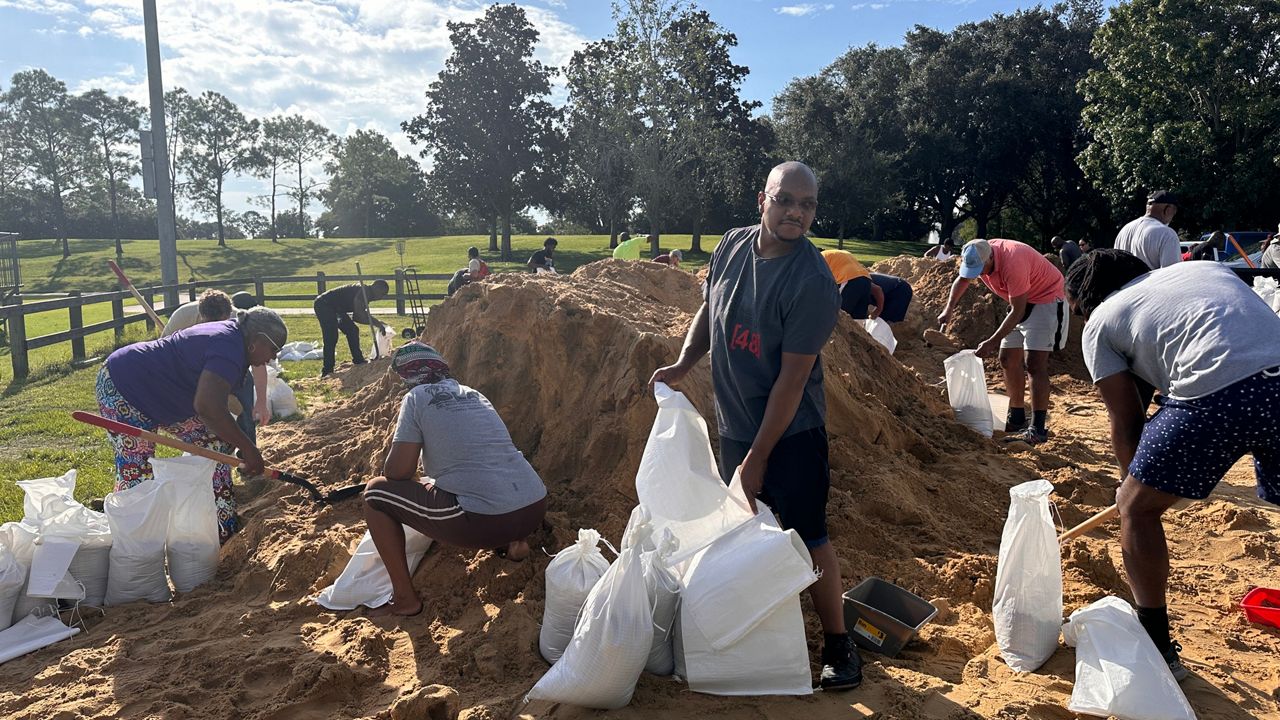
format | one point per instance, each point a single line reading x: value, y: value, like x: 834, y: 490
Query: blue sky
x: 365, y: 63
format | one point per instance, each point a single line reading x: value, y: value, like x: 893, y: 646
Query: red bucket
x: 1262, y: 605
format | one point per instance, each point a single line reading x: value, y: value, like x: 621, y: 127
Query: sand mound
x: 916, y: 499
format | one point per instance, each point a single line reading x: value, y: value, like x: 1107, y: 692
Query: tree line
x: 1046, y: 121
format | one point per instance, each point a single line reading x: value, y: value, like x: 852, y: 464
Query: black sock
x: 1039, y: 418
x: 1156, y: 622
x: 1016, y: 418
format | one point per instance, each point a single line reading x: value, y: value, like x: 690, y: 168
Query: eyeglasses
x: 786, y: 202
x: 273, y: 342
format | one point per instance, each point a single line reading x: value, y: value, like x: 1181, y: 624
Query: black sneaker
x: 1180, y: 671
x: 1029, y: 435
x: 841, y: 665
x: 1012, y: 427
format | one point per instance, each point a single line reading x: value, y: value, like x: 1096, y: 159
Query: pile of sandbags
x: 280, y: 396
x: 299, y: 350
x: 703, y: 587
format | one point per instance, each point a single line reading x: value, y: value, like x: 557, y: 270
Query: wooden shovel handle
x: 146, y: 306
x: 123, y: 429
x: 1089, y: 524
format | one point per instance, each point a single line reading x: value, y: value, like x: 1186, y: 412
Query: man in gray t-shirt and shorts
x: 1211, y: 346
x: 770, y: 306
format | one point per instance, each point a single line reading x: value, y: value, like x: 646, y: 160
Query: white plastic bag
x: 1269, y: 290
x: 139, y: 519
x: 569, y: 579
x: 1118, y: 669
x: 12, y: 578
x: 364, y: 581
x: 610, y: 644
x: 35, y: 493
x: 281, y: 399
x: 663, y: 586
x: 967, y: 391
x: 1027, y: 606
x: 382, y: 341
x: 677, y: 482
x: 880, y: 331
x: 191, y: 540
x: 29, y: 634
x: 741, y: 630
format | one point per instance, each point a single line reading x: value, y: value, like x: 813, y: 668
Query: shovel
x: 120, y: 428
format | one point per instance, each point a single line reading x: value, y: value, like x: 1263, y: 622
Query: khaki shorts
x: 1044, y: 328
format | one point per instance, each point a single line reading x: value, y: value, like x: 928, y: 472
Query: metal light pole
x: 167, y: 233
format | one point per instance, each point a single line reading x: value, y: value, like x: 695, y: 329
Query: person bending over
x: 341, y: 309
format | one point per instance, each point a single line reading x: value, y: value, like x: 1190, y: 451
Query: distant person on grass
x: 213, y: 306
x: 343, y: 308
x: 1068, y: 251
x: 453, y: 474
x: 477, y: 269
x: 1149, y: 237
x: 543, y: 261
x: 179, y: 385
x: 769, y: 306
x: 672, y: 258
x: 942, y: 251
x: 1035, y: 326
x: 629, y: 248
x: 1212, y: 347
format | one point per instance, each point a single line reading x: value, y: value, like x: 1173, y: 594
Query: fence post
x: 257, y: 290
x: 320, y: 284
x: 191, y: 294
x: 77, y: 323
x: 149, y: 297
x: 399, y: 291
x: 18, y: 340
x: 117, y: 314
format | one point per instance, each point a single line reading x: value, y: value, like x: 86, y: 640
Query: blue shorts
x: 1189, y: 445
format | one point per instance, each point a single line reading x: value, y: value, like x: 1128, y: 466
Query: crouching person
x: 476, y: 490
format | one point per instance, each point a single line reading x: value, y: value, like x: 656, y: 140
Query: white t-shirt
x: 1155, y: 243
x: 1190, y: 330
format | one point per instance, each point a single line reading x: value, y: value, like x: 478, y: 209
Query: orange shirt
x: 844, y: 266
x: 1021, y: 270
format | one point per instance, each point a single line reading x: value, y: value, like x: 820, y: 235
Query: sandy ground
x: 916, y: 499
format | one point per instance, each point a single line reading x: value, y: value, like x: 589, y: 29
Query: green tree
x: 177, y: 106
x: 305, y: 142
x: 52, y: 140
x: 219, y: 140
x: 373, y: 191
x: 252, y: 224
x: 1186, y: 98
x: 113, y: 125
x: 272, y: 162
x: 488, y: 127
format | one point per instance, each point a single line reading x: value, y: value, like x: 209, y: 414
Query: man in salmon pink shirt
x: 1036, y: 325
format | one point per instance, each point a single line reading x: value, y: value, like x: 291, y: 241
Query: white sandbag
x: 364, y: 581
x: 1027, y: 606
x: 881, y: 332
x: 569, y: 578
x: 1119, y: 672
x: 30, y: 634
x: 741, y: 630
x: 610, y: 643
x: 20, y: 538
x: 90, y: 568
x: 382, y: 341
x: 677, y: 482
x: 281, y: 399
x: 49, y: 576
x: 967, y: 391
x: 639, y: 530
x: 12, y: 578
x: 663, y: 587
x: 1269, y: 290
x: 139, y: 520
x: 191, y: 538
x: 35, y: 492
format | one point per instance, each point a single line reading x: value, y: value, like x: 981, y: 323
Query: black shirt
x: 541, y: 259
x: 346, y: 299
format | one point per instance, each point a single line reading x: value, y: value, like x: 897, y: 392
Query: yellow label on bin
x: 869, y: 631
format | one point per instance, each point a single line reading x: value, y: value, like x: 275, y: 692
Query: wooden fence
x: 13, y: 313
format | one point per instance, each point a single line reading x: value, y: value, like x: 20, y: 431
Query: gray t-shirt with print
x: 1190, y: 330
x: 466, y: 448
x: 758, y: 309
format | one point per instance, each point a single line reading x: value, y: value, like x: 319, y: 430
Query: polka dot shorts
x: 1188, y: 445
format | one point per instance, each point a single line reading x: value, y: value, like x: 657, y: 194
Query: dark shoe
x: 841, y: 665
x: 1028, y: 435
x: 1011, y: 427
x: 1180, y: 671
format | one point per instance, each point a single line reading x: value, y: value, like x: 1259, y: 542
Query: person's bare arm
x: 1017, y: 310
x: 697, y: 342
x: 877, y: 299
x: 780, y: 410
x: 402, y: 461
x: 211, y: 407
x: 261, y: 406
x: 1126, y: 411
x: 958, y: 289
x: 932, y: 252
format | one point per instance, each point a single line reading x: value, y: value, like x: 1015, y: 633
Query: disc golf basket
x: 417, y: 310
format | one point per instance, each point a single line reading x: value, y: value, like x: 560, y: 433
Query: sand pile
x: 916, y: 499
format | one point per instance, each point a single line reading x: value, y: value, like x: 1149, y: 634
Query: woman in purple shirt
x: 179, y: 385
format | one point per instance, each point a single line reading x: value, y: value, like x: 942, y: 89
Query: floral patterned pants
x: 133, y: 454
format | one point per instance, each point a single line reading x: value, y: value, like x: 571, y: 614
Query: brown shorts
x: 436, y: 513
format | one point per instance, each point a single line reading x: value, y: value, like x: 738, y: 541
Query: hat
x: 677, y: 254
x: 973, y: 258
x: 417, y: 363
x: 243, y: 300
x: 1162, y: 197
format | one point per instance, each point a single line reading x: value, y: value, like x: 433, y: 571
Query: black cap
x: 244, y: 300
x: 1162, y: 197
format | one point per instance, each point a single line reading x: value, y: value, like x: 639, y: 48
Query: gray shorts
x: 1044, y: 328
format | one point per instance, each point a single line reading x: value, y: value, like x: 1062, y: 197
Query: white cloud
x: 870, y: 6
x: 803, y: 9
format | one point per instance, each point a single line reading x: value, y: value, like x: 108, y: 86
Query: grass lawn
x: 39, y: 438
